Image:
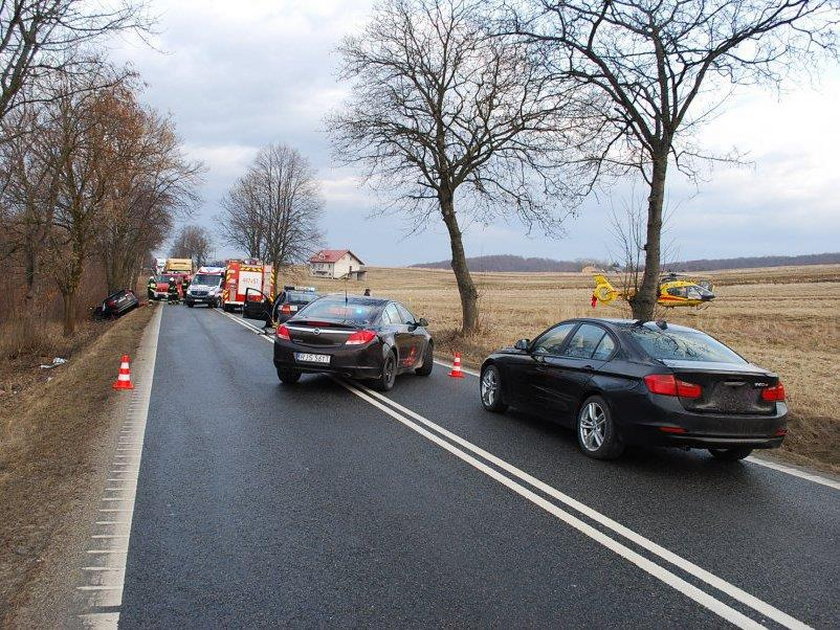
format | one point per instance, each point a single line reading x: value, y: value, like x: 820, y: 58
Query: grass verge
x: 51, y: 426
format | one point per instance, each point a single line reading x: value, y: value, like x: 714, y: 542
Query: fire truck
x: 246, y: 279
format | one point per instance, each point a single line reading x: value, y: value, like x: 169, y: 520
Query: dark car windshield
x: 212, y: 280
x: 682, y: 345
x: 356, y: 310
x: 300, y: 297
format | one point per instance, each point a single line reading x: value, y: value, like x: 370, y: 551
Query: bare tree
x: 152, y: 184
x: 274, y: 210
x: 627, y: 226
x: 442, y: 114
x: 42, y: 38
x: 193, y: 241
x: 665, y: 66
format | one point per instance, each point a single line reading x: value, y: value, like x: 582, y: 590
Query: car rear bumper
x: 357, y: 363
x: 662, y: 421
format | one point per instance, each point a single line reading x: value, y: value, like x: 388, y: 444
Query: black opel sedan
x: 353, y: 336
x: 619, y: 382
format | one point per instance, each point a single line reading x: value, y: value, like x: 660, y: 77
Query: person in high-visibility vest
x: 151, y: 286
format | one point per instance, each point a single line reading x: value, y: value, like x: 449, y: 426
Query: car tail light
x: 774, y: 394
x: 668, y: 385
x: 672, y: 430
x: 283, y: 333
x: 286, y: 309
x: 360, y: 337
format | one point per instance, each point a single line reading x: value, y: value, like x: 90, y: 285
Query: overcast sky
x: 238, y: 75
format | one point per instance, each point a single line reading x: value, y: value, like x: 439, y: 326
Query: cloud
x: 237, y: 76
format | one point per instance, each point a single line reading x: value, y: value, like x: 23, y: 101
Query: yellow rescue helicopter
x: 674, y: 290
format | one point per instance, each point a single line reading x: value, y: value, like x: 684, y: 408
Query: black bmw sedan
x: 619, y: 382
x: 354, y: 336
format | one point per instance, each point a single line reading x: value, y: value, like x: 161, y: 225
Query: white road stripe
x: 125, y: 473
x: 795, y: 472
x: 689, y: 567
x: 709, y: 578
x: 689, y: 590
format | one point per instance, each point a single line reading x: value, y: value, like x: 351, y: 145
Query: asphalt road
x: 320, y: 504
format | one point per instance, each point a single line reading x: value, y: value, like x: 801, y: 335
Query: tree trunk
x: 69, y: 319
x: 644, y: 302
x: 466, y: 287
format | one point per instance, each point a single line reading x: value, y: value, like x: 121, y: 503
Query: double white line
x: 526, y: 486
x: 529, y: 488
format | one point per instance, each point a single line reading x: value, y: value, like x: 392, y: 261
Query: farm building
x: 337, y: 263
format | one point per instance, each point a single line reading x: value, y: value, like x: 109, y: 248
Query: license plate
x: 303, y: 357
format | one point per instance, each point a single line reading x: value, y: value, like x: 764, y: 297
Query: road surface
x: 326, y: 504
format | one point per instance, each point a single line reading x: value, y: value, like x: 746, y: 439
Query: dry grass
x: 785, y: 319
x: 50, y: 424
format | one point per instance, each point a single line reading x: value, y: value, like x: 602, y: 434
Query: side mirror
x: 522, y: 344
x: 422, y: 322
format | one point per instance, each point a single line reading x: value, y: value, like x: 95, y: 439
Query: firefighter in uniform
x: 172, y: 294
x: 185, y: 284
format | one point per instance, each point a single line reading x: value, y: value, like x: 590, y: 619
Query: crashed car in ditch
x: 116, y: 304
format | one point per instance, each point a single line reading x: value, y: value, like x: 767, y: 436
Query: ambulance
x: 246, y: 280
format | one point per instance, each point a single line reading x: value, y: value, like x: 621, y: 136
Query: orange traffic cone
x: 456, y: 367
x: 124, y: 379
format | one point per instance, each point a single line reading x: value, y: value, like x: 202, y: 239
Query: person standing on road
x: 172, y: 294
x: 151, y: 286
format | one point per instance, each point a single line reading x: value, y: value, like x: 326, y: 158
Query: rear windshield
x: 207, y: 279
x: 358, y: 311
x: 300, y: 297
x: 682, y: 345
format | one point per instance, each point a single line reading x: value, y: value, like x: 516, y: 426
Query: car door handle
x: 588, y: 368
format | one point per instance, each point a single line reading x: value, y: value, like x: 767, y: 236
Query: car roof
x: 359, y: 299
x: 627, y: 323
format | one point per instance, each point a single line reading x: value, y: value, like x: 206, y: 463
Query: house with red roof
x: 336, y: 263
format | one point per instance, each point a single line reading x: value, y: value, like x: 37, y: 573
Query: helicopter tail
x: 604, y: 292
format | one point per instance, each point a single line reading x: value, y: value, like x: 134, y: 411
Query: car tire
x: 490, y: 389
x: 733, y: 454
x: 428, y: 361
x: 596, y: 431
x: 385, y: 382
x: 190, y: 304
x: 288, y: 376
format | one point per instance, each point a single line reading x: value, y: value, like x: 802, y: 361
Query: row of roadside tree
x: 91, y: 180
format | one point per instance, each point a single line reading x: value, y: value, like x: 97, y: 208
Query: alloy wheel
x: 489, y: 387
x: 592, y: 426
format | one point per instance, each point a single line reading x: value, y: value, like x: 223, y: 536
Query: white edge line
x: 694, y: 570
x: 795, y: 472
x: 701, y: 597
x: 753, y: 460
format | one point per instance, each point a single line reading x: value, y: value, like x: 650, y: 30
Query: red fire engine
x: 241, y: 275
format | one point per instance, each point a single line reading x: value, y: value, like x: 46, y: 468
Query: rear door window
x: 390, y: 315
x: 605, y: 348
x: 584, y: 342
x: 406, y: 315
x: 552, y: 340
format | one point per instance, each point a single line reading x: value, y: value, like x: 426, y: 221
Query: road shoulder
x: 58, y: 452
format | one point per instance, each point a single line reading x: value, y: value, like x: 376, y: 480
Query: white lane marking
x: 123, y: 472
x: 730, y: 589
x: 795, y: 472
x: 689, y: 567
x: 103, y: 568
x: 689, y: 590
